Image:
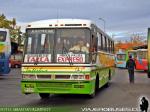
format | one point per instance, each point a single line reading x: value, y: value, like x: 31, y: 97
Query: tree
x: 11, y: 25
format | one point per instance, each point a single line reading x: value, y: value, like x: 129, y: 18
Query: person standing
x: 130, y: 66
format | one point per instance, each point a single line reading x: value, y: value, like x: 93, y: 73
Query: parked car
x: 16, y: 60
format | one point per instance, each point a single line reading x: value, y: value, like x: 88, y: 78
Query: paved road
x: 119, y: 94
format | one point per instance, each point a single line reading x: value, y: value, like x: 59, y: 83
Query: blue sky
x: 121, y: 16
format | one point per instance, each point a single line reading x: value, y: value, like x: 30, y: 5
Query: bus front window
x: 121, y: 57
x: 39, y: 45
x: 72, y: 45
x: 3, y: 36
x: 142, y: 55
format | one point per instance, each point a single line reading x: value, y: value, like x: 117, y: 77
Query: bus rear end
x: 5, y: 51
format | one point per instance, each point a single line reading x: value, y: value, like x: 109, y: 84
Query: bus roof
x: 142, y: 50
x: 132, y: 50
x: 65, y: 23
x: 52, y: 23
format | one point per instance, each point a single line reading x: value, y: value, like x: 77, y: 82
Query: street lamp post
x: 103, y: 21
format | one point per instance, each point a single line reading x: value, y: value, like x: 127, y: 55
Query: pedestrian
x: 130, y: 66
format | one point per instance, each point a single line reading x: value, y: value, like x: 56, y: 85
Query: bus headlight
x: 29, y: 76
x: 78, y: 77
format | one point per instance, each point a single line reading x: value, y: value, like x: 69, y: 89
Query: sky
x: 122, y: 17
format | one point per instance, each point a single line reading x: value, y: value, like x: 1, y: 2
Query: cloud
x: 120, y: 15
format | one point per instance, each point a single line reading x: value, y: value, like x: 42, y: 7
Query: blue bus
x: 120, y: 59
x: 123, y: 56
x: 5, y: 51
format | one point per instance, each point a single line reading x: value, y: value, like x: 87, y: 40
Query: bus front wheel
x: 44, y: 95
x: 96, y: 88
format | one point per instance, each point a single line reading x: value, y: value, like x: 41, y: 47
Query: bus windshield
x: 72, y: 45
x: 142, y: 54
x: 57, y: 45
x: 133, y: 54
x: 3, y: 36
x: 121, y: 57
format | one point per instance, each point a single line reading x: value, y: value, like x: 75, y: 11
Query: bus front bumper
x: 58, y: 87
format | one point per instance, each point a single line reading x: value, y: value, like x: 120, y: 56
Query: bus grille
x: 62, y: 77
x: 44, y: 76
x: 54, y: 86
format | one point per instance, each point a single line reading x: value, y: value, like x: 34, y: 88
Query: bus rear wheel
x: 44, y: 95
x: 109, y: 78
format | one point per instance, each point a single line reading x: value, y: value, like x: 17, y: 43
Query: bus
x: 5, y: 51
x: 66, y: 56
x: 123, y: 56
x: 120, y: 59
x: 141, y: 60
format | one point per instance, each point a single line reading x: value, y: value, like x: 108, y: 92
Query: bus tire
x: 107, y: 85
x: 109, y: 75
x: 109, y: 78
x: 97, y: 83
x: 44, y: 95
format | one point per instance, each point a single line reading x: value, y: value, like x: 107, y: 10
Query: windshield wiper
x: 64, y: 50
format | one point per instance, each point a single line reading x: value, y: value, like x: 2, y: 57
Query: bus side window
x: 103, y: 41
x: 99, y: 41
x: 94, y: 44
x: 94, y: 48
x: 109, y: 45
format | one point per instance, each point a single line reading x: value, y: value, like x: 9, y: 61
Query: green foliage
x: 11, y: 25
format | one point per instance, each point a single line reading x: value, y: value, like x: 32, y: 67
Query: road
x: 119, y: 94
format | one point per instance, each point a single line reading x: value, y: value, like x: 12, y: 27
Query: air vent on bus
x: 73, y: 24
x: 44, y: 76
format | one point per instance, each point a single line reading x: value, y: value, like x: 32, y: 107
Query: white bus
x: 66, y: 56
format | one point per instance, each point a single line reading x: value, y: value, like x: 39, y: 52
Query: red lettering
x: 60, y: 59
x: 78, y: 59
x: 46, y: 59
x: 36, y: 58
x: 32, y: 59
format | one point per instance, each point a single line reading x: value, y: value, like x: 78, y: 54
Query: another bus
x: 121, y: 58
x: 141, y: 60
x: 5, y: 51
x: 53, y: 65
